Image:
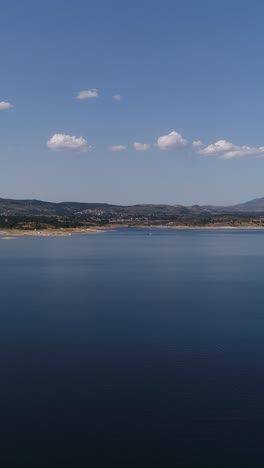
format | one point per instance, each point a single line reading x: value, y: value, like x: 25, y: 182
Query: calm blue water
x: 125, y: 349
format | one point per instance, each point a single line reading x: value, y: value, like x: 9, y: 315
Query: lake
x: 129, y: 349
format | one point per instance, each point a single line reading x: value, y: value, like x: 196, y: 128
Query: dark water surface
x: 125, y: 349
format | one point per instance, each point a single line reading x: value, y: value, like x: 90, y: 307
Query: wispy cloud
x: 141, y: 146
x: 173, y: 140
x: 198, y: 143
x: 244, y: 151
x: 117, y: 97
x: 118, y: 148
x: 5, y: 105
x: 228, y: 150
x: 88, y: 94
x: 60, y: 142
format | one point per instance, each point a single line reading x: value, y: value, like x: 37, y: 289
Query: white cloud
x: 197, y: 143
x: 117, y: 97
x: 88, y: 94
x: 118, y: 148
x: 173, y: 140
x: 228, y: 150
x: 141, y: 146
x: 5, y: 105
x: 219, y: 146
x: 244, y: 151
x: 60, y: 142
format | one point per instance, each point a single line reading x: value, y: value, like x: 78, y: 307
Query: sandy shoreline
x: 9, y: 234
x: 199, y: 228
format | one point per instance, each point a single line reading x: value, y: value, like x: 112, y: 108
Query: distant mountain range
x: 38, y: 207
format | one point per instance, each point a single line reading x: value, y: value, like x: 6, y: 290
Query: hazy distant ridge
x: 38, y: 207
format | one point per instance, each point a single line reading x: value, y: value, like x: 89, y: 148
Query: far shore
x: 12, y: 233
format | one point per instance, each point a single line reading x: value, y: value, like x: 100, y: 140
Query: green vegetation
x: 45, y: 222
x: 40, y: 223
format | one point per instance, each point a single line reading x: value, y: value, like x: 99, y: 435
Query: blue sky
x: 185, y: 71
